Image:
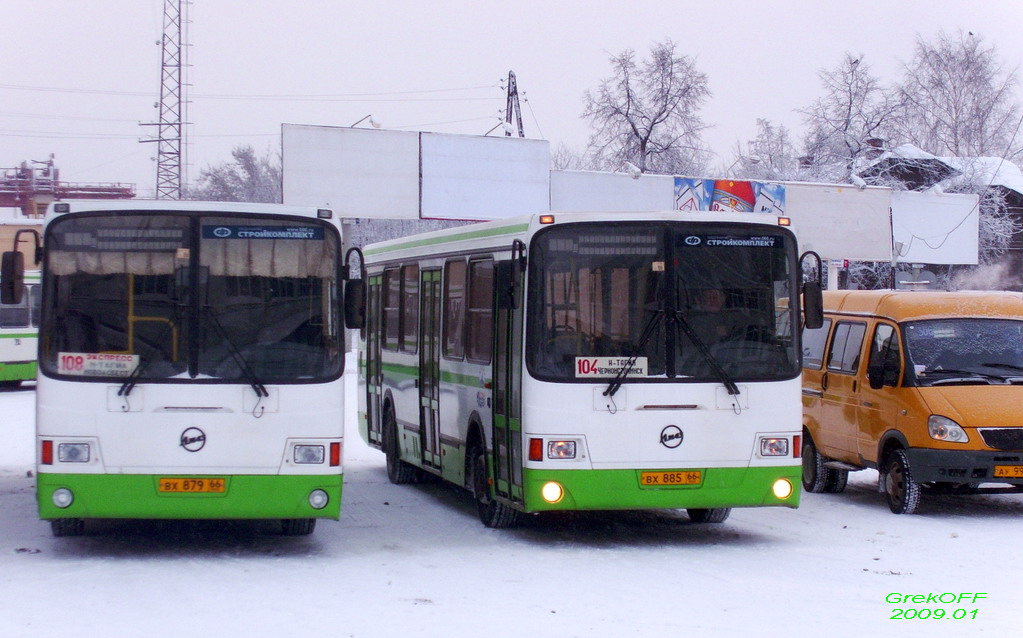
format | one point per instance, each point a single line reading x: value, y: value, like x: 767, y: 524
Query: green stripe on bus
x: 412, y: 372
x: 17, y: 371
x: 26, y: 335
x: 477, y: 234
x: 136, y: 496
x: 620, y: 489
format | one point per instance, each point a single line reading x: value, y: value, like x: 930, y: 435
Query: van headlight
x: 942, y: 428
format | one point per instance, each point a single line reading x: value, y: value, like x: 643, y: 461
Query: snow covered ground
x: 414, y: 560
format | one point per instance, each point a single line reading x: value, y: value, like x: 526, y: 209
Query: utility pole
x: 512, y: 109
x: 170, y: 137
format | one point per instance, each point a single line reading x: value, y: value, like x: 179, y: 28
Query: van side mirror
x: 813, y: 305
x: 12, y: 277
x: 355, y: 304
x: 884, y: 373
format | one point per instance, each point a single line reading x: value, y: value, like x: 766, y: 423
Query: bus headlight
x: 309, y: 454
x: 774, y: 446
x: 782, y: 489
x: 942, y: 428
x: 63, y: 497
x: 73, y: 452
x: 561, y: 449
x: 552, y: 492
x: 318, y: 499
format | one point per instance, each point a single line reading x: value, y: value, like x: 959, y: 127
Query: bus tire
x: 398, y: 472
x: 67, y: 526
x: 814, y: 472
x: 713, y: 515
x: 900, y: 490
x: 297, y: 526
x: 492, y: 513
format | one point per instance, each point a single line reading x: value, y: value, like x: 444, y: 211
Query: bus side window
x: 480, y: 324
x: 454, y: 309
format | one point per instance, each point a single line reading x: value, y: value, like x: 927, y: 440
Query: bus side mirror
x: 507, y: 278
x: 355, y: 304
x: 813, y: 305
x: 12, y: 277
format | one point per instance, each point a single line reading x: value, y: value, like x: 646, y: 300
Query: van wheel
x: 714, y: 515
x: 398, y: 472
x: 492, y: 513
x: 901, y: 491
x: 814, y: 472
x: 835, y: 480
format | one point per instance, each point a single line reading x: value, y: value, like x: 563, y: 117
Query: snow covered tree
x: 646, y: 113
x: 957, y: 99
x: 770, y: 156
x: 249, y: 178
x: 854, y: 110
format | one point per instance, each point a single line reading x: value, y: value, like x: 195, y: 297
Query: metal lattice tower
x: 170, y: 137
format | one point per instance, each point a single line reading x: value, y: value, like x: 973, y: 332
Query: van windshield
x: 951, y: 351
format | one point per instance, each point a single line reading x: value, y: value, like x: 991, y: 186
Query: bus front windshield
x: 145, y: 296
x: 671, y: 301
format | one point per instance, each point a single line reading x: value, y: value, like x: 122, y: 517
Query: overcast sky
x: 79, y: 76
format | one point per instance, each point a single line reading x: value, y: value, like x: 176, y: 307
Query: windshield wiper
x: 133, y: 378
x: 712, y: 361
x: 616, y: 383
x: 243, y: 365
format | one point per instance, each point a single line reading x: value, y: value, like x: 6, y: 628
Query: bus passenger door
x: 374, y: 369
x: 429, y: 367
x: 507, y: 388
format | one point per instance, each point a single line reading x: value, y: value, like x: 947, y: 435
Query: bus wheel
x: 900, y: 490
x: 67, y: 526
x: 398, y: 472
x: 297, y: 526
x: 814, y: 472
x: 491, y: 512
x: 715, y: 515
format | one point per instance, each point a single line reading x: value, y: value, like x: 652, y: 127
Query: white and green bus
x: 589, y: 362
x: 190, y: 363
x: 19, y: 329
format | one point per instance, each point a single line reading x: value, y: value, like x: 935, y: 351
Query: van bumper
x: 965, y: 466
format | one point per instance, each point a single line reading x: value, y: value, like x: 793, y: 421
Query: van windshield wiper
x: 243, y: 365
x: 711, y: 360
x: 648, y: 331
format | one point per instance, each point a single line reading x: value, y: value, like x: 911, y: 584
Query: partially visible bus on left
x: 19, y: 330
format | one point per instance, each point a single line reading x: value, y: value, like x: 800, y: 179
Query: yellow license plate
x: 670, y: 477
x: 192, y: 485
x: 1009, y: 471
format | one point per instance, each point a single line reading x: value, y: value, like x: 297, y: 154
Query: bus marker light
x: 797, y: 450
x: 561, y: 449
x: 335, y: 453
x: 774, y: 446
x: 308, y: 454
x: 535, y: 449
x: 782, y: 489
x: 318, y: 499
x: 784, y: 221
x: 46, y: 453
x: 63, y: 497
x: 546, y: 219
x: 73, y: 452
x: 552, y: 492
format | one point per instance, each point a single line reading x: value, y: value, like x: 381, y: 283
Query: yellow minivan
x: 926, y: 387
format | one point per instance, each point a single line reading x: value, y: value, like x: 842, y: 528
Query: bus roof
x: 87, y: 205
x: 908, y: 305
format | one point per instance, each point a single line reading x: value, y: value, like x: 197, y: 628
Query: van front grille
x: 1003, y: 438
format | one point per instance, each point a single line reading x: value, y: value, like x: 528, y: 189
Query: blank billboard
x: 587, y: 191
x: 936, y: 228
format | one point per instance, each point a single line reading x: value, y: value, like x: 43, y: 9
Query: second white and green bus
x: 589, y: 362
x: 19, y: 328
x: 190, y: 363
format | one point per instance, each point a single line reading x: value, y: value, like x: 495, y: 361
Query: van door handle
x: 824, y: 381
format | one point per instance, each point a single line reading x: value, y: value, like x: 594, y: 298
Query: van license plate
x: 671, y: 477
x: 1009, y: 471
x: 192, y: 485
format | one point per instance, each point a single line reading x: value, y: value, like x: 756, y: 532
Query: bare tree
x: 248, y: 178
x: 646, y: 113
x: 958, y: 99
x: 565, y: 158
x: 854, y: 110
x: 770, y: 156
